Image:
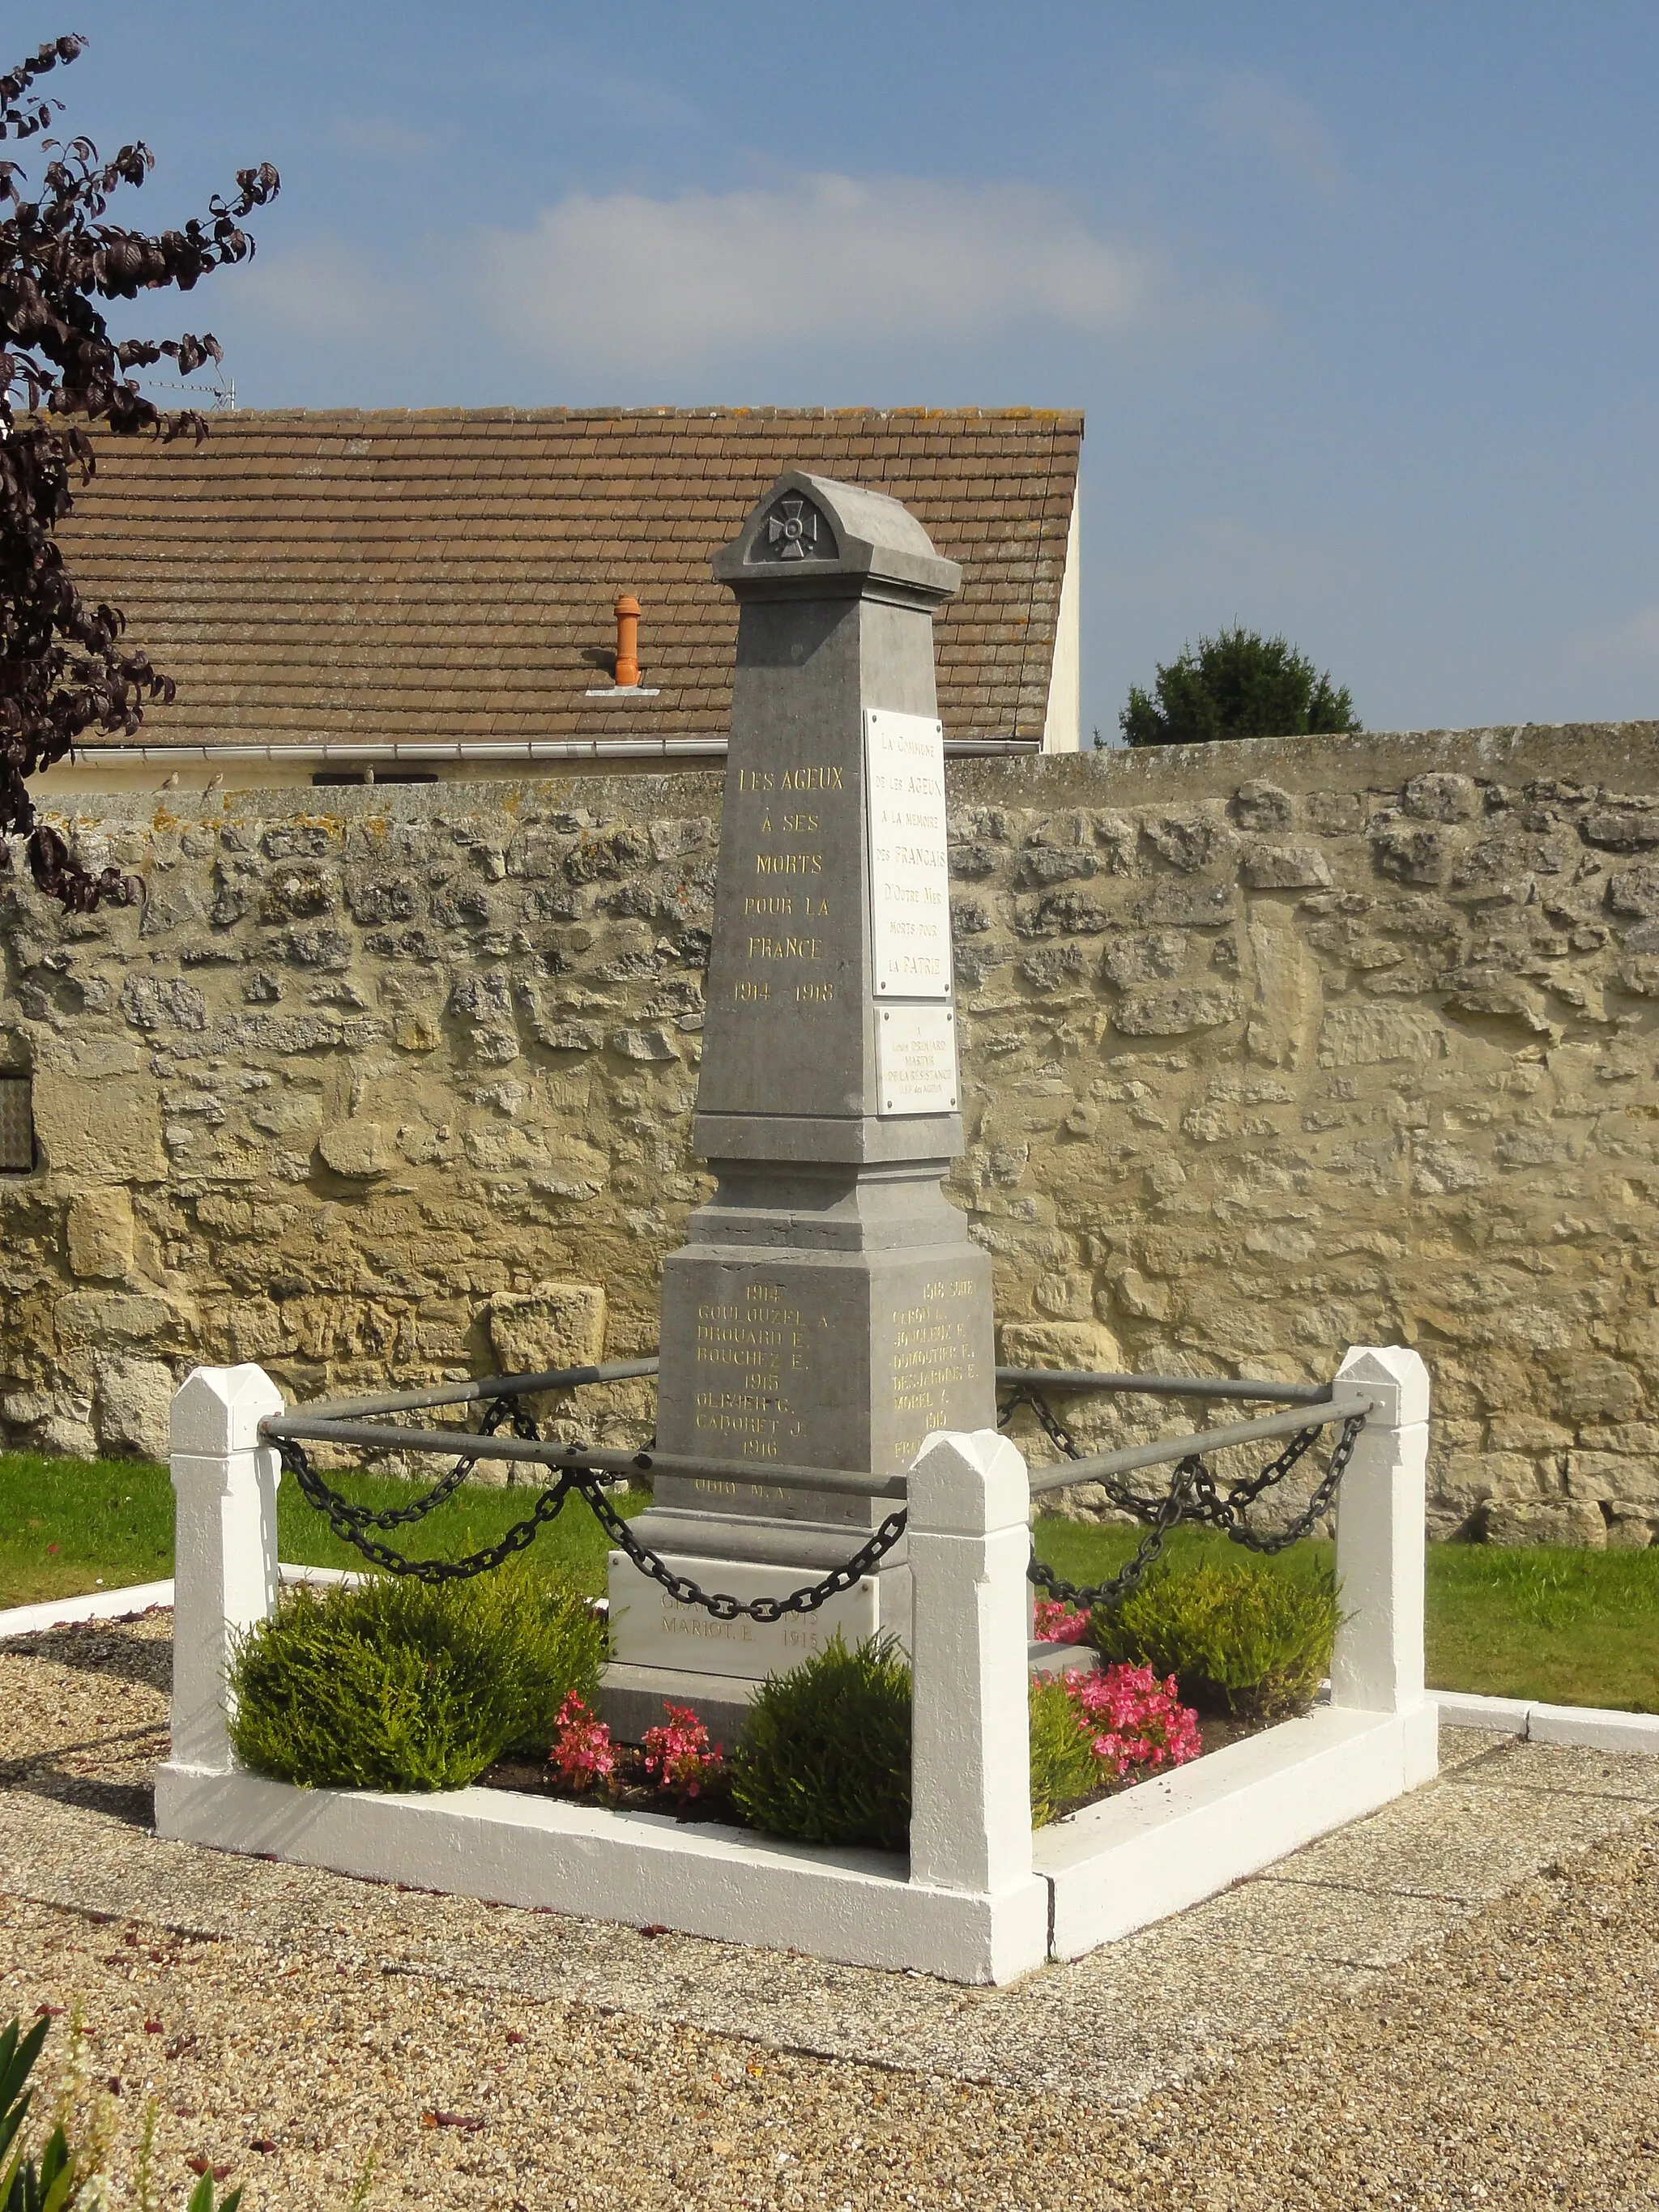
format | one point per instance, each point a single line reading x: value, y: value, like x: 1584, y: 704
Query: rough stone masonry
x: 1267, y: 1048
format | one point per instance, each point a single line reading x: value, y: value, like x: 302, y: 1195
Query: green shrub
x: 395, y: 1686
x: 1243, y: 1638
x: 1063, y: 1764
x: 825, y: 1755
x: 1235, y: 684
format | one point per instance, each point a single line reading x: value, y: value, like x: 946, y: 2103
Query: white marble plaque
x: 916, y: 1059
x: 909, y: 879
x: 649, y: 1629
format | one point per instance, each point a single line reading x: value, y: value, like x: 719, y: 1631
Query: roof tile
x: 310, y: 576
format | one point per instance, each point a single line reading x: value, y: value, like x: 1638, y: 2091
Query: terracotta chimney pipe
x: 627, y: 642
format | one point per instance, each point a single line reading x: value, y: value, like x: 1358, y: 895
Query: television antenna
x: 223, y: 396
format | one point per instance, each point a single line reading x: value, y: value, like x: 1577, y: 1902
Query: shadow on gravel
x: 95, y: 1650
x: 47, y: 1775
x: 132, y: 1803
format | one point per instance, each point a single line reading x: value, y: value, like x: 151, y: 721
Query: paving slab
x: 1465, y: 1841
x: 1577, y: 1769
x: 1176, y: 2003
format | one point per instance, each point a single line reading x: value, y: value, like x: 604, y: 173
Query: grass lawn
x: 69, y: 1525
x: 1572, y: 1627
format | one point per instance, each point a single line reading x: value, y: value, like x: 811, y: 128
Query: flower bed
x: 826, y: 1753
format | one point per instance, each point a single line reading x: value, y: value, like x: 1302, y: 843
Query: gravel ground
x: 1455, y: 2003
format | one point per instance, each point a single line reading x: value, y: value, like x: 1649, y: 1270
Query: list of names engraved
x: 934, y: 1358
x: 752, y: 1351
x: 909, y: 881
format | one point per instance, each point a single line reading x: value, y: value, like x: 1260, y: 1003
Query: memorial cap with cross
x: 829, y: 1031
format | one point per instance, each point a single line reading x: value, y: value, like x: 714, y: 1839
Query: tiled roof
x: 452, y: 574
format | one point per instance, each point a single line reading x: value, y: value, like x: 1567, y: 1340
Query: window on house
x: 16, y: 1125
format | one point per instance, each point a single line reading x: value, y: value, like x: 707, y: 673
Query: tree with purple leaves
x: 64, y: 668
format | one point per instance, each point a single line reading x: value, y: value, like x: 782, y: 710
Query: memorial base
x: 631, y: 1700
x: 665, y: 1653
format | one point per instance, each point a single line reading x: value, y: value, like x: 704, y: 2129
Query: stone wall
x: 1269, y: 1048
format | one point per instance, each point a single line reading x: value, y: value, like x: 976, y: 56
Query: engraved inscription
x: 761, y: 1337
x: 916, y: 1061
x: 785, y: 902
x: 650, y: 1630
x: 909, y: 879
x: 933, y: 1351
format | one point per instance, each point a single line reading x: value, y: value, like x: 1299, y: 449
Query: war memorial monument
x: 828, y: 1310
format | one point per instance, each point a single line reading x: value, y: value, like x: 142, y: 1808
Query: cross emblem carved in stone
x: 791, y: 530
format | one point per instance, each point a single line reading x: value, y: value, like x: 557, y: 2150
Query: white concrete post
x: 969, y: 1542
x: 224, y: 1483
x: 1377, y: 1665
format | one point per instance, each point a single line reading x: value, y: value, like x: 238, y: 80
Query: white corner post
x: 1377, y: 1665
x: 970, y: 1812
x: 224, y: 1483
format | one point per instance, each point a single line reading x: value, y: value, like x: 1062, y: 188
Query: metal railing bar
x: 1336, y: 1406
x: 472, y: 1393
x: 311, y: 1427
x: 1168, y: 1386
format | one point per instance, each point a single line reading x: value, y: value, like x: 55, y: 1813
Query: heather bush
x: 1063, y: 1766
x: 825, y: 1755
x: 394, y: 1685
x: 1240, y: 1637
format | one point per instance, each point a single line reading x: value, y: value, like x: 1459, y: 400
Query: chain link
x: 1192, y: 1500
x: 352, y: 1524
x: 341, y: 1509
x: 685, y: 1591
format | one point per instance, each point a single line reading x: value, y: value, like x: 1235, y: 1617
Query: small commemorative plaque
x: 909, y: 877
x: 916, y: 1059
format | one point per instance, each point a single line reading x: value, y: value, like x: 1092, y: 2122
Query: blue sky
x: 1360, y: 302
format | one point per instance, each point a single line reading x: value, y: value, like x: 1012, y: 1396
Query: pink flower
x: 1136, y: 1724
x: 582, y: 1753
x: 1054, y: 1622
x: 678, y: 1756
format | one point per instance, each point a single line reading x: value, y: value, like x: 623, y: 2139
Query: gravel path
x: 1455, y: 2003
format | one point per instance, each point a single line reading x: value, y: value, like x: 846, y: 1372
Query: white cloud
x: 1259, y: 111
x: 613, y: 284
x: 324, y: 292
x: 380, y: 135
x: 1632, y: 645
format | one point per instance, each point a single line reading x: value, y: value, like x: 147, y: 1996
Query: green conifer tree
x: 1237, y: 684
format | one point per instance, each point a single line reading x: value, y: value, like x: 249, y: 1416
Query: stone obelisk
x: 828, y: 1310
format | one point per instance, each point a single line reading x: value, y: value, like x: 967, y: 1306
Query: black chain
x: 340, y: 1509
x: 351, y: 1523
x: 685, y: 1591
x: 1192, y: 1499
